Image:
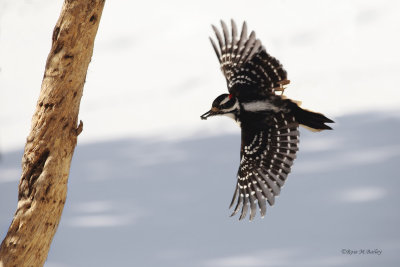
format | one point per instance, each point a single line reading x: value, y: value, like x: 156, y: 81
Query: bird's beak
x: 212, y: 112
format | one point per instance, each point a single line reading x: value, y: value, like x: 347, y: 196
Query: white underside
x: 257, y: 106
x: 232, y: 116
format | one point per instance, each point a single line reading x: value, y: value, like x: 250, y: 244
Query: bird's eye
x: 230, y: 96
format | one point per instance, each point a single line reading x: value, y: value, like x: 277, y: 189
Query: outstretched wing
x: 266, y: 158
x: 249, y: 70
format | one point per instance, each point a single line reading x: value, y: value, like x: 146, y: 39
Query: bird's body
x: 269, y: 122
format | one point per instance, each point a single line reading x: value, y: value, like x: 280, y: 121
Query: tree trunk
x: 52, y: 140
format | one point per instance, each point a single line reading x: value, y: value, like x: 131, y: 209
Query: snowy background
x: 150, y: 183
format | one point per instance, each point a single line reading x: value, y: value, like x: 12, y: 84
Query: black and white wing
x: 249, y: 70
x: 266, y: 158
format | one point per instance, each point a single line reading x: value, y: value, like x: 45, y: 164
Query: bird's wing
x: 266, y: 158
x: 249, y: 70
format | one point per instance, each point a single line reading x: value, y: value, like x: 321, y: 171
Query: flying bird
x: 269, y: 121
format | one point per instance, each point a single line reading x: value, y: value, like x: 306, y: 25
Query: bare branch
x: 52, y: 140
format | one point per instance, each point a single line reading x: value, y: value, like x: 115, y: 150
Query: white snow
x: 362, y: 194
x: 154, y: 72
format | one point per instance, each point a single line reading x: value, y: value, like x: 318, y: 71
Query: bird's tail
x: 312, y: 120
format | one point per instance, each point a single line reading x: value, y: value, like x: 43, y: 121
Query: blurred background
x: 150, y: 182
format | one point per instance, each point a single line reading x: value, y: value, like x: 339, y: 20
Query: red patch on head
x: 230, y: 96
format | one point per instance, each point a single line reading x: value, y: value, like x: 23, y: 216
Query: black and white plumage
x: 269, y: 122
x: 246, y: 64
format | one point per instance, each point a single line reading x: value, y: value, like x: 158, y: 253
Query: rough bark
x: 50, y: 145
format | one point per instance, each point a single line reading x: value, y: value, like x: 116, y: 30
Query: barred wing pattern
x: 249, y: 70
x: 266, y: 158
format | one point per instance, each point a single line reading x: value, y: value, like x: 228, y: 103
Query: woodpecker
x: 269, y: 121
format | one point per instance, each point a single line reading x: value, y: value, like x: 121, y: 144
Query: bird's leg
x: 279, y: 89
x: 282, y: 87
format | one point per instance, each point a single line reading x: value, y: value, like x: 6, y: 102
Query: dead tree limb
x: 50, y: 145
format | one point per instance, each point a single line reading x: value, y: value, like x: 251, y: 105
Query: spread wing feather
x: 266, y: 159
x: 249, y: 70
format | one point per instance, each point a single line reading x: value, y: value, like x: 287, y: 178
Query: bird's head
x: 225, y: 104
